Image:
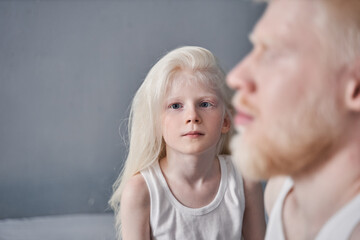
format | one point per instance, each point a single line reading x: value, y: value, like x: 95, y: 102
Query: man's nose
x: 241, y: 77
x: 192, y: 115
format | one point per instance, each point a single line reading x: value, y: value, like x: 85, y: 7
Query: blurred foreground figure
x: 298, y: 117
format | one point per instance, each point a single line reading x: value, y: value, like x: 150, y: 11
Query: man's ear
x: 352, y: 88
x: 226, y: 124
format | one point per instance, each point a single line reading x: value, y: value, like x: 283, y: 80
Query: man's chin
x: 260, y: 158
x: 247, y: 159
x: 257, y: 159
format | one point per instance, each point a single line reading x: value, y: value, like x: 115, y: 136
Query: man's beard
x: 292, y: 145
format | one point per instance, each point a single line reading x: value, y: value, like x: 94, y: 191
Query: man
x: 298, y: 110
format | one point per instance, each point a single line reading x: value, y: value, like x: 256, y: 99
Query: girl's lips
x: 193, y: 134
x: 242, y: 118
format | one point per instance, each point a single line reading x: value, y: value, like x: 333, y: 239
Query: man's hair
x: 341, y: 26
x: 344, y: 26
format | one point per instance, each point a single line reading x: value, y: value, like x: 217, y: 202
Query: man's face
x: 287, y: 98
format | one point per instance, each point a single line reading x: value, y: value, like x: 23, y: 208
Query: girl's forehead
x: 183, y: 80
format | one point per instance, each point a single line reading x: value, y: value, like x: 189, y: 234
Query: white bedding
x: 64, y: 227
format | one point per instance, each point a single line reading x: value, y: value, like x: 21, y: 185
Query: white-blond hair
x: 341, y: 25
x: 145, y: 137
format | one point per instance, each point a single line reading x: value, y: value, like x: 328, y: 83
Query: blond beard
x: 288, y: 148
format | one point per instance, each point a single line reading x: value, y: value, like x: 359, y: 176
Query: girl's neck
x: 190, y: 168
x: 193, y: 180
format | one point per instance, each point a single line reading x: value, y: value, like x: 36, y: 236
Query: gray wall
x: 68, y: 71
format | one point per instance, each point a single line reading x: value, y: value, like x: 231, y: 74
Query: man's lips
x: 242, y: 118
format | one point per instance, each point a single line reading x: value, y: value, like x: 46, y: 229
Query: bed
x: 59, y: 227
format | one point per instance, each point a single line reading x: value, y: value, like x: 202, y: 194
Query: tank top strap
x: 275, y: 228
x: 342, y: 224
x: 339, y: 226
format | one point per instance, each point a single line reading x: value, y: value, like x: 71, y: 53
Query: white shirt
x: 339, y: 226
x: 221, y: 219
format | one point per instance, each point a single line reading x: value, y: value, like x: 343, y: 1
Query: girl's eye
x: 205, y: 104
x: 175, y: 106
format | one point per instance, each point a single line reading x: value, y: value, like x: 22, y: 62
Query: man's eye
x: 205, y: 104
x: 175, y: 106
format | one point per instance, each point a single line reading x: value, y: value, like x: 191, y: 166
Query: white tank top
x: 339, y: 226
x: 221, y: 219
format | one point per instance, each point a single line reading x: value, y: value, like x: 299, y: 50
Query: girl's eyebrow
x: 177, y: 98
x: 211, y: 96
x: 170, y: 99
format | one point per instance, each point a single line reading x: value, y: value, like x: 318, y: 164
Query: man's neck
x: 318, y: 195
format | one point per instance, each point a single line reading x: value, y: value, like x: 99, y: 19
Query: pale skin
x: 192, y: 171
x: 254, y: 225
x: 322, y: 190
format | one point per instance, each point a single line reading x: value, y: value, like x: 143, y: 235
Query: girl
x: 177, y: 183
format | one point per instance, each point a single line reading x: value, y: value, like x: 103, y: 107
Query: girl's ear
x: 352, y: 88
x: 226, y: 124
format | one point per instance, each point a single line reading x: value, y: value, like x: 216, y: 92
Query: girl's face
x: 193, y: 116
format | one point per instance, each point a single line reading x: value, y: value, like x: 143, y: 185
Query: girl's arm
x: 254, y: 225
x: 135, y: 210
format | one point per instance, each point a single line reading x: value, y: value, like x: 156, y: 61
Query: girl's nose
x: 192, y: 116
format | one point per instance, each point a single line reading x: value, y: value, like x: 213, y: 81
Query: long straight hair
x: 145, y: 137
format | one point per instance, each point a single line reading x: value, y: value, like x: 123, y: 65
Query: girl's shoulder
x: 229, y: 162
x: 136, y: 193
x: 227, y: 158
x: 135, y: 209
x: 231, y: 169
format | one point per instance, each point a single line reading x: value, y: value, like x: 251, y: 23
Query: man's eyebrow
x: 252, y: 38
x: 261, y: 40
x: 255, y: 40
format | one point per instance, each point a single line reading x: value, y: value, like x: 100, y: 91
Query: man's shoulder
x: 272, y: 191
x: 356, y: 233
